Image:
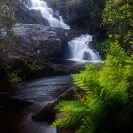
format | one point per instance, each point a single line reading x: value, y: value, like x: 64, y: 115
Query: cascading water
x: 80, y: 50
x: 46, y: 12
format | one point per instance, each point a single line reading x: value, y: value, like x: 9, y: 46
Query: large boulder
x: 36, y: 40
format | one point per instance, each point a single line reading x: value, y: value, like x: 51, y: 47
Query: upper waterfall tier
x: 80, y: 51
x: 46, y: 12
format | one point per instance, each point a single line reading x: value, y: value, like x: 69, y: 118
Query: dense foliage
x: 118, y: 19
x: 83, y: 13
x: 106, y: 99
x: 105, y: 103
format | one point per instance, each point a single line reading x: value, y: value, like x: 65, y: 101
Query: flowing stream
x: 40, y: 92
x: 46, y: 12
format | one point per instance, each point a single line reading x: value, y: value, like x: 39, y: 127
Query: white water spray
x: 46, y: 12
x: 80, y: 50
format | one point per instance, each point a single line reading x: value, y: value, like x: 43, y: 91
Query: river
x: 39, y: 92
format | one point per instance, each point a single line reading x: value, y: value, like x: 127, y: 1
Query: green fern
x: 108, y: 93
x: 72, y: 115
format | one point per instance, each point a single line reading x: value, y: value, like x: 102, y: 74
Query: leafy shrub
x: 33, y: 65
x: 13, y: 77
x: 107, y: 99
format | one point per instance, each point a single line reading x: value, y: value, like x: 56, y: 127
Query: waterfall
x: 46, y: 12
x: 80, y: 50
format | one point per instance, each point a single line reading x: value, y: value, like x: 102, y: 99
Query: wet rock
x: 66, y: 67
x: 86, y: 56
x: 92, y: 44
x: 55, y: 16
x: 51, y: 4
x: 74, y: 33
x: 56, y: 67
x: 6, y: 98
x: 35, y: 40
x: 26, y: 16
x: 9, y: 104
x: 48, y: 112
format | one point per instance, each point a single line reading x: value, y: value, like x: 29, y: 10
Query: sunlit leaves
x: 118, y: 18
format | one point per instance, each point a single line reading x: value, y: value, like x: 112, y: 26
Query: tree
x: 7, y: 21
x: 83, y: 13
x: 118, y: 19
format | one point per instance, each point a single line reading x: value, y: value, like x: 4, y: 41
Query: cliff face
x: 37, y: 39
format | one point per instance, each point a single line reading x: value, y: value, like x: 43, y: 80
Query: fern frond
x: 107, y: 92
x: 71, y: 106
x: 87, y: 80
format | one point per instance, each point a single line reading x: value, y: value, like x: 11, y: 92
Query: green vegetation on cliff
x: 10, y: 69
x: 7, y: 21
